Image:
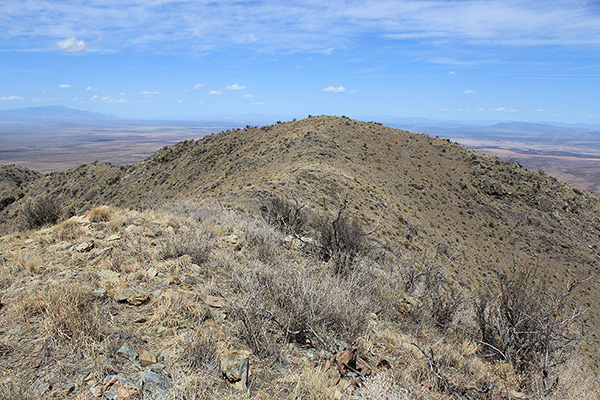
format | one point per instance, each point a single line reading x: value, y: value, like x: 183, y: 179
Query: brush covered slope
x: 201, y: 302
x: 411, y: 196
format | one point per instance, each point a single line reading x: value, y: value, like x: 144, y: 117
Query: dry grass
x: 100, y: 214
x: 289, y: 308
x: 175, y: 308
x: 67, y: 314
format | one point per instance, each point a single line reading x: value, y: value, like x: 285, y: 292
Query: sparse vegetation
x: 288, y: 284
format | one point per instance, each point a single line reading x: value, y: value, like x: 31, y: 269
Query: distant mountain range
x: 52, y: 113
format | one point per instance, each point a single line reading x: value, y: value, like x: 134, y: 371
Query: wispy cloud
x: 198, y: 86
x: 235, y: 86
x: 149, y: 93
x: 503, y: 109
x: 215, y: 92
x: 64, y: 86
x: 469, y: 91
x: 87, y: 89
x: 248, y: 96
x: 333, y: 89
x: 11, y: 98
x: 310, y: 26
x: 71, y: 44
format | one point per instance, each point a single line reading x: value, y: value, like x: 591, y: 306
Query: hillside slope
x: 411, y: 191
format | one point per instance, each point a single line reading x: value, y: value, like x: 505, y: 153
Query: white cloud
x: 539, y: 110
x: 198, y: 86
x: 235, y: 86
x: 248, y: 96
x: 333, y: 89
x: 309, y: 26
x: 149, y: 93
x: 87, y: 89
x: 260, y: 103
x: 71, y: 44
x: 469, y: 91
x: 452, y: 73
x: 64, y: 86
x: 215, y: 92
x: 503, y: 109
x: 180, y: 101
x: 12, y: 98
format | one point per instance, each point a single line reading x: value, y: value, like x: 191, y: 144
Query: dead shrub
x: 426, y: 280
x: 198, y: 354
x: 41, y: 212
x: 341, y: 242
x: 294, y: 304
x: 286, y: 216
x: 68, y: 230
x: 100, y: 214
x: 175, y: 308
x: 522, y: 322
x: 381, y: 386
x: 193, y: 244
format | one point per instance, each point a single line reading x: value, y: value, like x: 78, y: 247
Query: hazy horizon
x: 510, y: 60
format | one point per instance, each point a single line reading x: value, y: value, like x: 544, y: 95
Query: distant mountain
x: 51, y: 113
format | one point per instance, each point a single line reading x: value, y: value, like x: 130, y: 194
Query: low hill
x: 413, y: 195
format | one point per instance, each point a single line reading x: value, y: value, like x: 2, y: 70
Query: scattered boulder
x: 108, y: 275
x: 153, y: 383
x: 85, y: 246
x: 147, y: 358
x: 349, y: 364
x: 132, y: 295
x: 152, y: 272
x: 113, y: 238
x: 236, y: 368
x: 127, y: 352
x: 117, y: 387
x: 39, y: 388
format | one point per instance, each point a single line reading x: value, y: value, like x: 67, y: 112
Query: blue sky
x: 462, y: 59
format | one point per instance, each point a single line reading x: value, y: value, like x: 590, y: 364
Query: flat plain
x: 60, y: 147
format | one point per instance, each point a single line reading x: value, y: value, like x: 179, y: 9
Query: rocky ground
x: 198, y: 302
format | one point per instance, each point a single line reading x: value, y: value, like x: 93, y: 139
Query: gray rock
x: 154, y: 383
x: 108, y: 275
x: 85, y: 246
x: 132, y: 295
x: 236, y: 367
x: 39, y: 387
x: 119, y: 388
x: 100, y: 292
x: 114, y: 237
x: 127, y: 352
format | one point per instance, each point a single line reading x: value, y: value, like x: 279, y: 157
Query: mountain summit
x: 408, y: 195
